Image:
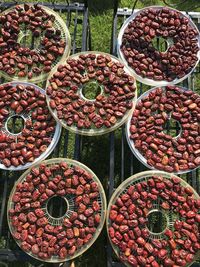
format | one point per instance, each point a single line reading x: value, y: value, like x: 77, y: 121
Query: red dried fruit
x: 80, y: 190
x: 34, y: 228
x: 155, y: 264
x: 31, y: 217
x: 197, y: 218
x: 168, y: 233
x: 49, y: 228
x: 190, y: 214
x: 30, y: 239
x: 92, y: 113
x: 162, y: 253
x: 178, y: 225
x: 165, y: 205
x: 149, y: 247
x: 67, y: 223
x: 25, y: 246
x: 73, y: 216
x: 24, y: 235
x: 42, y: 221
x: 63, y: 253
x: 123, y: 229
x: 52, y: 241
x: 35, y: 249
x: 141, y: 260
x: 88, y: 212
x: 22, y: 217
x: 113, y: 215
x: 95, y: 206
x: 16, y: 197
x: 69, y: 233
x: 140, y: 241
x: 172, y: 244
x: 39, y: 213
x: 119, y: 219
x: 97, y: 218
x: 132, y: 260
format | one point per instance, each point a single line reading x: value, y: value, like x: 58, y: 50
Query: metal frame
x: 193, y: 178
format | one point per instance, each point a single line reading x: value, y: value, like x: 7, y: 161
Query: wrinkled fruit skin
x: 108, y: 107
x: 17, y: 60
x: 128, y: 223
x: 148, y: 62
x: 33, y: 230
x: 39, y: 126
x: 147, y: 129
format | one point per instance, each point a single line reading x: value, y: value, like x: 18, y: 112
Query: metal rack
x: 133, y: 166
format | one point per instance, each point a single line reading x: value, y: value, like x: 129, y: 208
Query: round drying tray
x: 92, y: 94
x: 149, y: 67
x: 34, y: 40
x: 133, y: 210
x: 28, y: 132
x: 71, y: 233
x: 152, y: 134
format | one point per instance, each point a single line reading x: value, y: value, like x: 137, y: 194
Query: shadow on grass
x: 96, y: 155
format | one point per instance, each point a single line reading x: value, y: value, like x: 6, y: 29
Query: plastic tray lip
x: 75, y: 163
x: 3, y: 264
x: 135, y: 151
x: 66, y: 53
x: 55, y: 138
x: 125, y: 184
x: 92, y: 132
x: 148, y: 81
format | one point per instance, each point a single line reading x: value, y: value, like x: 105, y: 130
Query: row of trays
x: 152, y: 218
x: 34, y: 39
x: 29, y: 132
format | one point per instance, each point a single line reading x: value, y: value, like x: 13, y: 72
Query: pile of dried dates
x: 162, y: 151
x: 147, y: 61
x: 20, y: 26
x: 109, y: 107
x: 128, y: 228
x: 45, y: 237
x: 24, y: 100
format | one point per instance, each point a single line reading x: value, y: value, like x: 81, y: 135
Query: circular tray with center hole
x: 134, y: 150
x: 146, y: 80
x: 27, y: 116
x: 69, y: 199
x: 80, y: 93
x: 25, y: 38
x: 169, y: 216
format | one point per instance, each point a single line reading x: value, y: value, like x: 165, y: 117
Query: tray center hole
x: 57, y: 206
x: 172, y: 127
x: 157, y: 221
x: 15, y: 124
x: 27, y: 38
x: 160, y: 44
x: 91, y: 90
